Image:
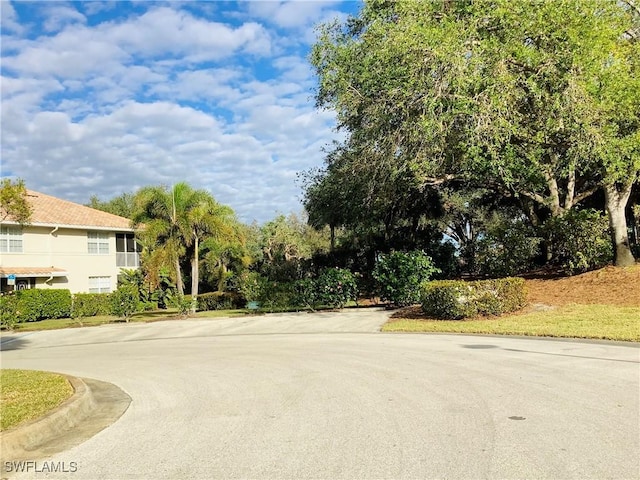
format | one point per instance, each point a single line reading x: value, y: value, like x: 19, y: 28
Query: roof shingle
x: 48, y: 210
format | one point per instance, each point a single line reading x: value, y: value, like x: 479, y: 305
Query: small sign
x: 11, y: 279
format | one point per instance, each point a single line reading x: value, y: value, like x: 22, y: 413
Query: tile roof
x: 32, y: 271
x: 48, y: 210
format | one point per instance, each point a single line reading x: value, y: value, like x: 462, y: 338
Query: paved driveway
x: 325, y: 396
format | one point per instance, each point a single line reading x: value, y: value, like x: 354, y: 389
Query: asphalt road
x: 325, y: 396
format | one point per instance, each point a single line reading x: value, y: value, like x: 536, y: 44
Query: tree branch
x: 587, y: 193
x: 569, y: 200
x: 536, y: 197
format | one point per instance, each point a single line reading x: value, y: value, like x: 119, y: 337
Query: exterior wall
x: 66, y: 249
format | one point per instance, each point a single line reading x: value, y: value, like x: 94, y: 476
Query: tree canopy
x: 539, y: 104
x: 13, y: 201
x: 175, y: 222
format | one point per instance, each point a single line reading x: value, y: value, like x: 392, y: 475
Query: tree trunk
x: 332, y: 229
x: 195, y: 275
x: 179, y: 282
x: 223, y: 276
x: 616, y: 203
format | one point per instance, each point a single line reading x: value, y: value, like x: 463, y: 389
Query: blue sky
x: 104, y: 97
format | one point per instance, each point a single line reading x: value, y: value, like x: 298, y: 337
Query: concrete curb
x: 21, y: 441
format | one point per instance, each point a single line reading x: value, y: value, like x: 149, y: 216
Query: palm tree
x: 159, y: 211
x: 207, y: 219
x: 176, y: 221
x: 225, y: 254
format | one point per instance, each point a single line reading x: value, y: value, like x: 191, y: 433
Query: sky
x: 104, y: 97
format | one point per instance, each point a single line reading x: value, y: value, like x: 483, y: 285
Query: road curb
x: 19, y: 442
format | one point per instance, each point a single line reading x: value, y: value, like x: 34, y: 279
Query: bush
x: 149, y: 306
x: 38, y: 304
x: 90, y: 304
x: 251, y: 286
x: 277, y: 295
x: 335, y: 287
x: 580, y: 240
x: 8, y: 311
x: 219, y: 301
x: 447, y: 299
x: 454, y: 299
x: 182, y: 303
x: 125, y: 301
x: 507, y: 248
x: 400, y: 275
x: 305, y: 293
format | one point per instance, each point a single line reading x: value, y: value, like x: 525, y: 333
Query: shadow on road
x: 12, y: 342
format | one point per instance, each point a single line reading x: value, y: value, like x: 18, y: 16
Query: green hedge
x: 8, y: 311
x: 125, y: 301
x: 38, y: 304
x: 91, y: 304
x: 400, y: 275
x: 335, y: 287
x: 454, y: 299
x: 219, y: 301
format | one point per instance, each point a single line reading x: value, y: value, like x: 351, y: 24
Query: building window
x: 10, y: 240
x: 99, y: 284
x: 127, y: 250
x: 98, y: 243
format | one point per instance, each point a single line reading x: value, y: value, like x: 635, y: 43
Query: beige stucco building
x: 66, y: 245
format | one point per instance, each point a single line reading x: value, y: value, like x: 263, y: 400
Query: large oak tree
x: 540, y: 104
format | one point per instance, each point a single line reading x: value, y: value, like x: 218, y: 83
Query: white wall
x: 65, y: 249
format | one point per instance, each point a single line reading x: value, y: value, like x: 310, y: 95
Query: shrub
x: 90, y: 304
x: 8, y: 311
x: 580, y: 240
x: 125, y: 301
x: 38, y: 304
x: 251, y: 286
x: 182, y: 303
x: 219, y: 301
x: 305, y: 293
x: 149, y: 306
x: 400, y: 275
x: 507, y: 248
x: 277, y: 295
x: 335, y: 287
x: 447, y: 299
x: 455, y: 299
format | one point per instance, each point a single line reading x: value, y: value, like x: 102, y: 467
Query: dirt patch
x: 607, y: 286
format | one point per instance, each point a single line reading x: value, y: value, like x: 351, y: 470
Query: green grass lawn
x: 26, y: 395
x: 576, y: 321
x: 146, y: 317
x: 143, y: 317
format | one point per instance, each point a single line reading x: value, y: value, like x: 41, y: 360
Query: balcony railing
x: 127, y: 259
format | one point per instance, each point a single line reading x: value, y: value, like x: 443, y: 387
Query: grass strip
x: 26, y: 395
x: 142, y: 317
x: 574, y: 321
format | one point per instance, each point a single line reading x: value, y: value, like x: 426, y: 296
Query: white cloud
x: 164, y: 96
x: 94, y: 7
x: 291, y: 14
x: 213, y: 84
x: 159, y: 33
x: 73, y: 53
x: 59, y: 15
x: 164, y: 30
x: 9, y: 18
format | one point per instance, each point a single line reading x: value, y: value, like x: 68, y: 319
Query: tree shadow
x: 12, y: 342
